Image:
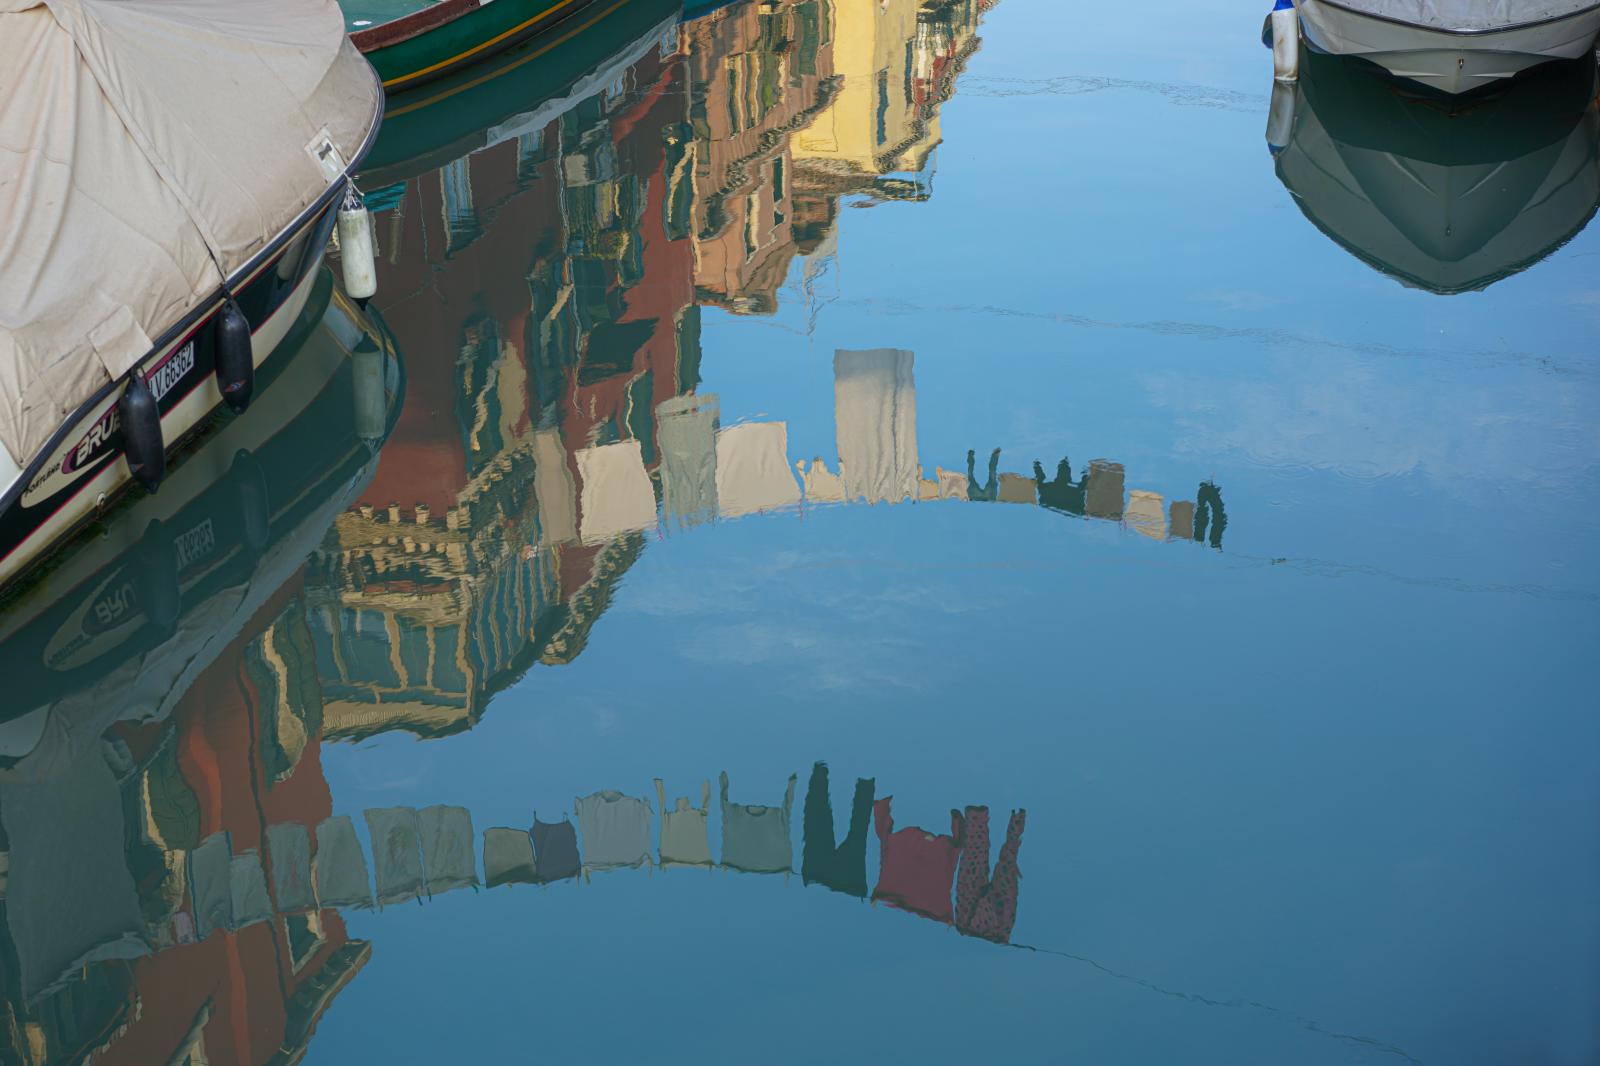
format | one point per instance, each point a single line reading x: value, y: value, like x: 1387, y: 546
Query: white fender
x: 1285, y: 41
x: 355, y: 246
x: 1280, y: 117
x: 370, y: 388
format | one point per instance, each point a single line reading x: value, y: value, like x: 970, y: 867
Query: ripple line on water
x: 1270, y: 336
x: 1309, y: 1024
x: 1180, y: 93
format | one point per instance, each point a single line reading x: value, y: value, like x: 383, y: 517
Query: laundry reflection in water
x: 421, y: 854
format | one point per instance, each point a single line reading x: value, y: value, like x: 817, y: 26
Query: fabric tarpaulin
x: 148, y: 150
x: 1467, y: 16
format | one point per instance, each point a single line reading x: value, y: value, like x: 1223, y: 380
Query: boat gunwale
x: 1344, y: 6
x: 197, y: 315
x: 426, y: 21
x: 412, y: 24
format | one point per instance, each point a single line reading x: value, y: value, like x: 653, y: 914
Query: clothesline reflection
x: 417, y: 854
x: 423, y: 617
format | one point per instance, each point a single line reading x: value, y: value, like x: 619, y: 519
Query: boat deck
x: 364, y: 14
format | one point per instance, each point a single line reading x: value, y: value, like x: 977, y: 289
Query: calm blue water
x: 1293, y: 688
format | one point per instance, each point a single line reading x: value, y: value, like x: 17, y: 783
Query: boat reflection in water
x: 158, y: 679
x: 547, y: 235
x: 1445, y: 195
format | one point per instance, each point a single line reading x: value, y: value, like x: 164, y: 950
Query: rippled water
x: 1110, y: 585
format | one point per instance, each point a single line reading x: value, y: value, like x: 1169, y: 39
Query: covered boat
x: 122, y: 623
x: 172, y: 173
x: 1453, y: 45
x: 1447, y: 199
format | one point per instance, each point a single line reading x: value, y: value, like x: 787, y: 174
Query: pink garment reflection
x: 916, y: 867
x: 987, y: 906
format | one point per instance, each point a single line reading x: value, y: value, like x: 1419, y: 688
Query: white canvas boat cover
x: 1467, y: 16
x: 147, y: 149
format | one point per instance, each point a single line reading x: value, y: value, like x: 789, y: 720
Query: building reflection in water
x: 548, y: 232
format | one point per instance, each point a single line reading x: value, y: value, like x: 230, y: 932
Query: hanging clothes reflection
x: 843, y: 866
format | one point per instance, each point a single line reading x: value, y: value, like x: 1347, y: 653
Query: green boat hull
x: 429, y: 42
x: 425, y: 130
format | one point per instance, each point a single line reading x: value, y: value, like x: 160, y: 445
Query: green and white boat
x: 410, y: 42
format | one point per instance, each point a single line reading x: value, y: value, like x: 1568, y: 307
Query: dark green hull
x: 426, y: 43
x: 453, y: 117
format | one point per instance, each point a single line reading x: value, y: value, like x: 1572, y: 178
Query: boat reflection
x: 1445, y: 195
x: 123, y: 621
x: 167, y: 696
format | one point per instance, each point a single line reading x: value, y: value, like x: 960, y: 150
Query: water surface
x: 1109, y: 583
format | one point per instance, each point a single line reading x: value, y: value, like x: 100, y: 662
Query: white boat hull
x: 1450, y: 62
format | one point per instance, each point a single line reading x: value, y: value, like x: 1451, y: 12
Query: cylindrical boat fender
x: 236, y: 363
x: 371, y: 393
x: 1285, y: 41
x: 356, y: 256
x: 1280, y: 117
x: 142, y: 445
x: 253, y: 501
x: 156, y: 579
